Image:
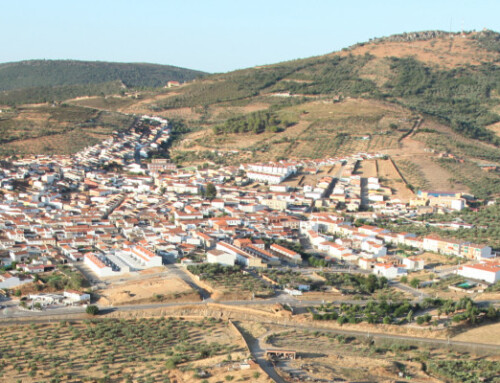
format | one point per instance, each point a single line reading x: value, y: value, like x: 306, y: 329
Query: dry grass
x: 327, y: 356
x: 390, y: 177
x: 443, y: 52
x: 495, y: 128
x: 137, y: 348
x: 152, y: 289
x: 317, y: 133
x: 484, y: 334
x: 367, y: 169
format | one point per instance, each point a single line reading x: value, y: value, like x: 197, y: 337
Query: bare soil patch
x: 156, y: 289
x: 484, y: 334
x: 495, y: 128
x: 367, y: 168
x: 445, y: 51
x: 391, y: 177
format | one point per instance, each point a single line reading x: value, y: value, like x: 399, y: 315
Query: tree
x: 92, y: 310
x: 341, y: 320
x: 409, y: 317
x: 491, y: 313
x: 415, y: 282
x: 211, y: 191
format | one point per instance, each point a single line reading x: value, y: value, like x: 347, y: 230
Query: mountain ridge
x: 36, y: 73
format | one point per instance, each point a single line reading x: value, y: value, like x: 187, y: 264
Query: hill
x: 429, y: 99
x: 42, y: 80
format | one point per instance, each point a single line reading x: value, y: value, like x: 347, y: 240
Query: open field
x: 322, y: 128
x: 329, y: 356
x: 420, y: 164
x: 367, y: 168
x: 496, y: 128
x: 59, y: 129
x: 443, y: 51
x: 147, y: 350
x: 228, y: 283
x: 483, y: 334
x: 152, y: 289
x: 389, y: 176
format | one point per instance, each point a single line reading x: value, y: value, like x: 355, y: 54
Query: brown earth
x: 155, y: 289
x: 390, y: 177
x: 73, y: 356
x: 367, y: 168
x: 444, y: 51
x: 496, y: 128
x: 484, y: 334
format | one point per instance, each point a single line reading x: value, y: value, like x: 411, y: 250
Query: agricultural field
x: 334, y: 357
x: 389, y: 176
x: 481, y: 184
x: 442, y: 312
x: 58, y: 129
x: 320, y: 129
x: 286, y: 278
x: 135, y: 350
x: 230, y: 282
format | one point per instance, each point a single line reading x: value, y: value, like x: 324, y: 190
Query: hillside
x: 43, y: 80
x: 430, y: 100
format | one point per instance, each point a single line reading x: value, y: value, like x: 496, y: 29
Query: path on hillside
x: 258, y: 350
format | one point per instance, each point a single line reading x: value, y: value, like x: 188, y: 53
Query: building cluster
x: 367, y: 245
x: 127, y: 148
x: 443, y: 200
x: 79, y: 209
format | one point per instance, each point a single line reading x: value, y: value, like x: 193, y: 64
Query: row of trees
x: 385, y: 312
x: 465, y: 371
x: 355, y: 283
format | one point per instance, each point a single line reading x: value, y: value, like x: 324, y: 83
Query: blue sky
x: 218, y: 36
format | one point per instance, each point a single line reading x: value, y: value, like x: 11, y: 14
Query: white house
x: 485, y: 272
x: 287, y: 253
x: 374, y: 248
x: 413, y: 263
x: 388, y: 270
x: 240, y: 256
x: 9, y: 281
x: 76, y: 296
x: 366, y: 263
x: 145, y: 257
x: 333, y: 249
x: 98, y: 266
x: 221, y: 257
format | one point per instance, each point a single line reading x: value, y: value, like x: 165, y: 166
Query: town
x: 106, y: 210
